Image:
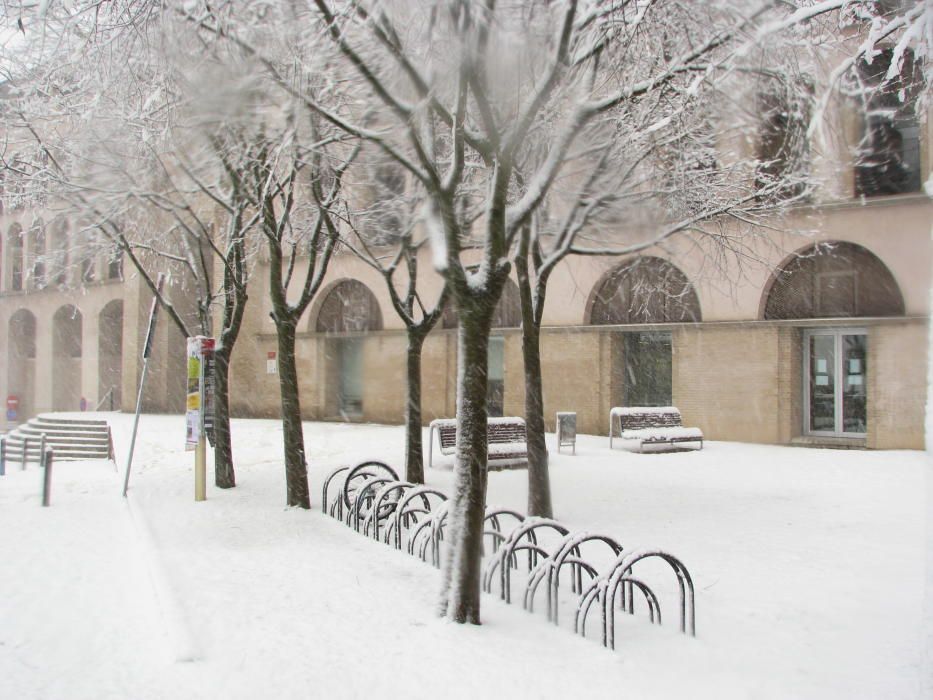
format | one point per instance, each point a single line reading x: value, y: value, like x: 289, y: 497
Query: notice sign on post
x: 199, y: 404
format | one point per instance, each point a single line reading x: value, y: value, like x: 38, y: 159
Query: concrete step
x: 16, y: 443
x: 68, y: 438
x: 57, y: 436
x: 57, y: 456
x: 64, y: 428
x: 47, y: 418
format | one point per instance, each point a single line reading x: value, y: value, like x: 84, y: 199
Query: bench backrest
x: 650, y: 419
x: 496, y: 432
x: 447, y: 435
x: 505, y: 432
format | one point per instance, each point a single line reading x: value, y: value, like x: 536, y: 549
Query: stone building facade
x: 819, y: 335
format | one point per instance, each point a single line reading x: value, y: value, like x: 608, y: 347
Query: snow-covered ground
x: 808, y: 564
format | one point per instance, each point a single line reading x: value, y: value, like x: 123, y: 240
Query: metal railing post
x: 46, y: 462
x: 25, y: 451
x: 2, y: 456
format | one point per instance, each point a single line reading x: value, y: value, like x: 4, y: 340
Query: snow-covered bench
x: 506, y: 442
x: 651, y: 425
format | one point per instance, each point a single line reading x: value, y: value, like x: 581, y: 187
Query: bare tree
x: 148, y: 178
x: 296, y: 195
x: 384, y: 236
x: 465, y: 134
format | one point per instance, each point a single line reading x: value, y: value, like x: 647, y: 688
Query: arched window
x: 349, y: 307
x: 508, y: 313
x: 16, y: 258
x: 58, y: 259
x: 37, y: 241
x: 783, y: 150
x: 645, y: 290
x: 831, y: 280
x: 115, y: 264
x: 889, y: 153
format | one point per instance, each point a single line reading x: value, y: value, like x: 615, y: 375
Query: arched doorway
x: 66, y: 358
x: 21, y: 367
x: 110, y: 356
x: 645, y: 290
x: 348, y: 310
x: 834, y: 280
x: 508, y: 314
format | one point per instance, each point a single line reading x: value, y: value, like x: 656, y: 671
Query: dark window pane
x: 646, y: 290
x: 495, y: 389
x: 648, y: 364
x: 834, y: 279
x: 823, y: 383
x: 835, y: 294
x: 888, y: 157
x: 115, y: 265
x: 854, y: 388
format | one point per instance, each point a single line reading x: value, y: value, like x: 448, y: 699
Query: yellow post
x: 200, y: 469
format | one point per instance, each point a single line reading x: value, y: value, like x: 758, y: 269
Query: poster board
x: 199, y: 404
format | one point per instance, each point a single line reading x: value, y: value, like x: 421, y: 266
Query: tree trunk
x: 539, y: 483
x: 414, y: 450
x: 460, y: 595
x: 296, y: 468
x: 224, y: 476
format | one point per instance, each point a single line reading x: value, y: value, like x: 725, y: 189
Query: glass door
x: 350, y: 359
x: 835, y: 386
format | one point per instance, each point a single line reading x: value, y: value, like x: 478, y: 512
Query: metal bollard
x: 2, y: 456
x: 25, y: 451
x: 46, y: 463
x: 41, y: 447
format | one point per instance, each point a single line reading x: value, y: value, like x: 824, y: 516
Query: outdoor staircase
x: 69, y: 438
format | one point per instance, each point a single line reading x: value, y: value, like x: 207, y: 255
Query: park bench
x: 651, y: 425
x: 506, y: 442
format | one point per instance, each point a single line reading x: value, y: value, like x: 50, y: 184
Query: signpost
x: 147, y: 350
x: 199, y: 418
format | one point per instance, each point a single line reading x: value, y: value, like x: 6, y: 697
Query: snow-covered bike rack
x: 373, y: 501
x: 619, y: 580
x: 351, y: 479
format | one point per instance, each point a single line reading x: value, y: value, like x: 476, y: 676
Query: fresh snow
x: 808, y: 565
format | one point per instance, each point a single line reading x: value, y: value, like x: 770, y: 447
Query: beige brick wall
x: 574, y: 367
x: 897, y: 364
x: 789, y: 384
x: 384, y: 377
x: 437, y: 379
x: 737, y: 382
x: 725, y: 381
